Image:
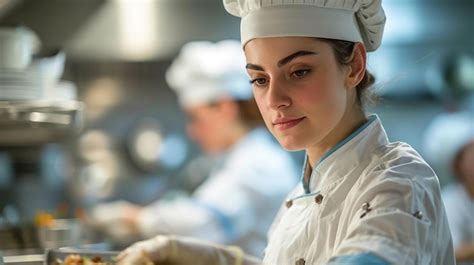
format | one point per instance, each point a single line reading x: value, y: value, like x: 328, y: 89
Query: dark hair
x: 249, y: 112
x: 343, y: 52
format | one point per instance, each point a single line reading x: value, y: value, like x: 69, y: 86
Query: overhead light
x: 138, y: 28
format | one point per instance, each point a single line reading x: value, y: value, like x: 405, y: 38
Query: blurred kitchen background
x: 92, y: 119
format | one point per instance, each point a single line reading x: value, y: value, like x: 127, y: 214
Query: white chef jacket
x: 460, y: 212
x: 375, y: 201
x: 238, y: 201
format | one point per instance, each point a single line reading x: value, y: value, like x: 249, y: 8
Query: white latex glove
x: 175, y: 250
x: 117, y: 219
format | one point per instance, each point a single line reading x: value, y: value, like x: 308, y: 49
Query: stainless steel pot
x: 61, y: 233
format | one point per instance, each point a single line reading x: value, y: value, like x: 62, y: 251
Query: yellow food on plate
x: 80, y: 260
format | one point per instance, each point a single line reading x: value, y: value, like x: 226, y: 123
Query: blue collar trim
x: 348, y: 138
x: 306, y: 186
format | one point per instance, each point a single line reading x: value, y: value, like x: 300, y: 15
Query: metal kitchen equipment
x: 62, y: 232
x: 34, y: 122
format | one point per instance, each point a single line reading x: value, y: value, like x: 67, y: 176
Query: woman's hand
x: 117, y: 219
x: 157, y: 249
x: 174, y: 250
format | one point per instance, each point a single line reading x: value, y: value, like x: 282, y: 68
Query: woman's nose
x: 277, y: 96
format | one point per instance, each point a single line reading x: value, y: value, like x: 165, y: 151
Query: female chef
x: 362, y: 199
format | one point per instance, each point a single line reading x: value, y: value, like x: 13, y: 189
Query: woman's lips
x: 286, y: 123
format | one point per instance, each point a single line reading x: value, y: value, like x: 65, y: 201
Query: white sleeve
x: 183, y: 216
x: 403, y: 221
x: 221, y: 209
x: 231, y: 200
x: 455, y: 213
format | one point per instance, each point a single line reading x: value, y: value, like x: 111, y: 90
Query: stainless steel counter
x: 23, y: 257
x: 31, y: 259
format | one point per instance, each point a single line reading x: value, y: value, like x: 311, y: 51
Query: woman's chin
x: 291, y: 144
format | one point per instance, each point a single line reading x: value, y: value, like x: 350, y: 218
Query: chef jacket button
x: 365, y: 209
x: 366, y: 206
x: 289, y: 203
x: 418, y: 214
x: 300, y: 262
x: 319, y: 199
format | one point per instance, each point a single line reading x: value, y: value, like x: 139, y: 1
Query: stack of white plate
x: 18, y: 81
x: 36, y: 106
x: 20, y: 84
x: 50, y: 68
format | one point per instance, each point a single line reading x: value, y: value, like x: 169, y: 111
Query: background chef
x: 237, y: 202
x: 449, y: 145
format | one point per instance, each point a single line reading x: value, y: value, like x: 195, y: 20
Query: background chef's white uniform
x: 460, y: 211
x: 455, y: 131
x: 368, y: 200
x: 237, y: 203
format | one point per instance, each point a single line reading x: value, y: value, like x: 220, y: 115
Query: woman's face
x: 208, y: 125
x: 299, y: 88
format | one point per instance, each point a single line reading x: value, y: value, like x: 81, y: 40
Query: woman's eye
x: 258, y: 81
x: 300, y: 73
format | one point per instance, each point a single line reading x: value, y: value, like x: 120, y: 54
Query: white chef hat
x: 350, y: 20
x: 445, y: 137
x: 205, y: 72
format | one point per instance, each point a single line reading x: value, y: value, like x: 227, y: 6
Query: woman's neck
x: 348, y: 124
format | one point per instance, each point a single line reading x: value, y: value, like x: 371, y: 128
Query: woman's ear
x: 357, y: 66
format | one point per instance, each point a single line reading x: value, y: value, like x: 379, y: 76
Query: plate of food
x: 80, y: 257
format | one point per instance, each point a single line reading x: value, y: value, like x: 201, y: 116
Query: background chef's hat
x: 205, y: 72
x: 350, y: 20
x: 446, y: 135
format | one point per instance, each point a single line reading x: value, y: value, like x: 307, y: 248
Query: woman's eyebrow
x: 292, y: 56
x: 254, y: 67
x: 283, y: 61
